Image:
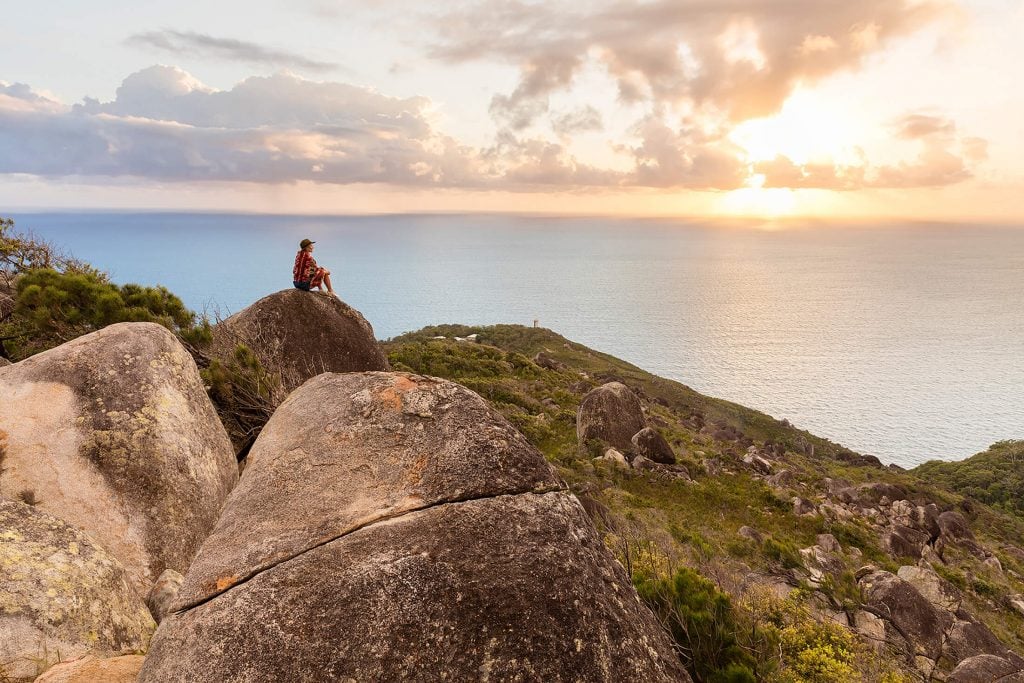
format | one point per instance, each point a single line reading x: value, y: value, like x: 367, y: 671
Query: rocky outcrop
x: 908, y: 614
x: 923, y: 618
x: 611, y: 413
x: 91, y: 670
x: 61, y: 596
x: 986, y: 669
x: 457, y: 550
x: 114, y: 433
x: 300, y: 335
x: 652, y: 445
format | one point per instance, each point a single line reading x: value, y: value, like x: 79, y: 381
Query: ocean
x: 905, y: 341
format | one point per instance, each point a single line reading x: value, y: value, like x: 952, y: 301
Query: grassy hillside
x: 658, y: 525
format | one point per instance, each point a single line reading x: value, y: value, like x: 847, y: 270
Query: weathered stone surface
x: 614, y: 457
x: 907, y: 611
x: 903, y: 541
x: 986, y: 669
x: 4, y: 362
x: 457, y: 551
x: 940, y: 593
x: 61, y: 596
x: 829, y: 543
x: 781, y: 479
x: 347, y: 450
x: 302, y: 334
x: 163, y: 594
x: 802, y: 506
x: 751, y: 534
x: 954, y: 527
x: 114, y: 433
x: 652, y: 445
x: 969, y: 637
x: 757, y: 463
x: 612, y: 413
x: 88, y: 669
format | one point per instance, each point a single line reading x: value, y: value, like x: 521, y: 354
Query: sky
x: 857, y: 109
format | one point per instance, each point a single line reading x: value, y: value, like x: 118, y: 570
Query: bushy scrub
x: 701, y: 621
x: 792, y: 646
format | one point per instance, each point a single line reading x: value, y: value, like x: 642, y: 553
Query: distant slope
x: 995, y: 477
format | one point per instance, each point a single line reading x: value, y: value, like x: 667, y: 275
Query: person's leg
x: 327, y: 281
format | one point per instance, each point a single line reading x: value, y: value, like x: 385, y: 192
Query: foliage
x: 244, y: 392
x: 48, y: 298
x: 702, y: 624
x: 995, y: 477
x: 808, y: 650
x: 52, y: 308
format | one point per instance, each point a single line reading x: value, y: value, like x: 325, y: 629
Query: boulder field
x: 113, y: 432
x: 392, y: 526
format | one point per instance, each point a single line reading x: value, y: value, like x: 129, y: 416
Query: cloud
x: 942, y: 159
x: 739, y: 57
x: 166, y: 125
x: 227, y: 49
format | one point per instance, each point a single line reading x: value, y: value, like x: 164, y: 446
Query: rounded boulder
x: 611, y: 413
x: 300, y: 335
x: 458, y: 551
x: 114, y: 433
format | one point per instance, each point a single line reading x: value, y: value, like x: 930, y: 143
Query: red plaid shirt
x: 305, y: 267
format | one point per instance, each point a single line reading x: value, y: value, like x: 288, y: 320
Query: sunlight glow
x: 807, y: 129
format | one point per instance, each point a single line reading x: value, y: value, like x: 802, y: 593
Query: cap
x: 305, y: 243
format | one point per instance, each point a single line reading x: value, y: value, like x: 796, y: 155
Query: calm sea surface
x: 904, y: 341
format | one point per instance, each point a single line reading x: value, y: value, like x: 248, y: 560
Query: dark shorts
x: 304, y: 286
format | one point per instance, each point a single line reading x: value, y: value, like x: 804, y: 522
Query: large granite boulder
x: 458, y: 551
x: 114, y: 433
x: 611, y: 413
x: 300, y: 335
x: 61, y: 596
x: 906, y: 612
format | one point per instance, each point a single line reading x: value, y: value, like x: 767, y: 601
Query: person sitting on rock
x: 306, y: 274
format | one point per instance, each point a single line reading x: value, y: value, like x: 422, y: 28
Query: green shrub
x: 702, y: 624
x: 53, y: 308
x: 783, y: 552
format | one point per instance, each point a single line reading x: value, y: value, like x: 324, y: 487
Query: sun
x: 809, y: 128
x: 759, y: 202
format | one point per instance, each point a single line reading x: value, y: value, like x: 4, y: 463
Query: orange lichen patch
x: 226, y: 582
x: 392, y: 396
x: 404, y: 384
x: 415, y: 473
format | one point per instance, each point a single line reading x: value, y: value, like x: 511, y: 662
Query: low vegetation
x: 995, y: 477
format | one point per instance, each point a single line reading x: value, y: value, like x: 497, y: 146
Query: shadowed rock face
x: 612, y: 413
x: 650, y: 444
x: 114, y: 433
x: 302, y: 334
x: 61, y: 596
x: 393, y: 527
